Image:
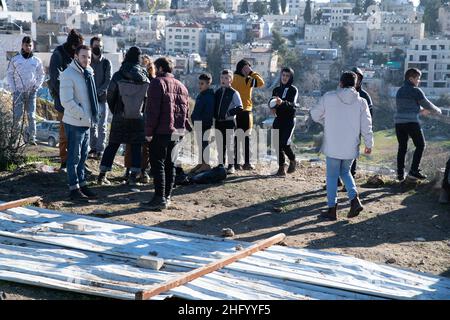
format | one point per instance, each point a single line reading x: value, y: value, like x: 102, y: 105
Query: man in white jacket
x: 79, y: 99
x: 345, y: 117
x: 25, y: 77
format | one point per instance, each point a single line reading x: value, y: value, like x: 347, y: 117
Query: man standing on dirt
x: 61, y: 58
x: 102, y: 75
x: 166, y: 119
x: 411, y: 102
x: 345, y: 117
x: 25, y: 77
x: 79, y: 100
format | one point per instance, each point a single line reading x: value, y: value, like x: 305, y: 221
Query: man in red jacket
x: 166, y: 118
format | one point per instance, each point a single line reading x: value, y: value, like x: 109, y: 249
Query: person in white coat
x: 25, y: 76
x: 79, y: 99
x: 345, y: 117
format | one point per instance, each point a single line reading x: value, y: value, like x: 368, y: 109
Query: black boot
x: 88, y: 193
x: 355, y: 207
x: 132, y: 179
x: 77, y: 195
x: 331, y: 214
x: 156, y: 204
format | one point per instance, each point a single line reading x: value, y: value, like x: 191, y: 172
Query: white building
x: 231, y: 5
x: 186, y: 38
x: 432, y: 57
x: 359, y: 32
x: 318, y: 35
x: 336, y: 14
x: 213, y: 39
x: 281, y: 19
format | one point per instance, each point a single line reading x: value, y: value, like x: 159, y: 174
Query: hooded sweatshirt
x: 345, y: 117
x: 289, y: 94
x: 245, y: 85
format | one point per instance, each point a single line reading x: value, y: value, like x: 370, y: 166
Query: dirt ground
x: 402, y: 225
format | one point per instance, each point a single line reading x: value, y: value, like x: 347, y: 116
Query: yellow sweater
x: 245, y: 85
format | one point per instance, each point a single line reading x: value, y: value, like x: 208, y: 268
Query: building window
x: 422, y: 58
x: 185, y: 37
x: 434, y: 56
x: 433, y: 47
x: 442, y: 46
x: 411, y: 58
x: 424, y: 47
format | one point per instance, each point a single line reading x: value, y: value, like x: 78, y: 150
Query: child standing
x: 285, y: 96
x: 227, y: 103
x: 203, y: 114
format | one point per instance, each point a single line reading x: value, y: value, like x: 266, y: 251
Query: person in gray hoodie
x: 411, y: 102
x: 345, y: 117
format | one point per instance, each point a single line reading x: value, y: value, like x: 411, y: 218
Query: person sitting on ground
x: 126, y: 97
x: 345, y: 117
x: 411, y: 102
x: 202, y: 118
x: 227, y: 104
x: 444, y: 197
x: 285, y: 98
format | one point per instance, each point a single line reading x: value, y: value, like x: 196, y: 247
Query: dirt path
x: 401, y: 225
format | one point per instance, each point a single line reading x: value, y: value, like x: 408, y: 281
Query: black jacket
x: 59, y: 61
x: 226, y: 104
x: 289, y: 94
x: 125, y: 130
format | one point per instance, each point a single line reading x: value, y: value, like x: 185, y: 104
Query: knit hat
x: 358, y: 71
x: 74, y: 38
x: 133, y: 54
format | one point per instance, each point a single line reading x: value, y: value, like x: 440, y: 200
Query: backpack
x: 133, y: 97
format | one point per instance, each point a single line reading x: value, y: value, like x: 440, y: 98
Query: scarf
x: 92, y: 90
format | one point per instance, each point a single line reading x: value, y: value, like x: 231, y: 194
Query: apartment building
x: 186, y: 38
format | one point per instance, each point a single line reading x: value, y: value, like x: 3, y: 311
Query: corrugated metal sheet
x: 35, y: 249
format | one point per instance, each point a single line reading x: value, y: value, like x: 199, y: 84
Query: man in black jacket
x: 283, y: 105
x: 61, y: 58
x: 102, y: 75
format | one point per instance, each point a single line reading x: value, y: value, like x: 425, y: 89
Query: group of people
x: 150, y: 114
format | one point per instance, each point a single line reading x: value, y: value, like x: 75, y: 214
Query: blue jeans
x: 98, y: 130
x: 77, y: 153
x: 25, y: 101
x: 339, y: 168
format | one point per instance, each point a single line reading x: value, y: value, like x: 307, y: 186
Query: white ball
x: 273, y: 103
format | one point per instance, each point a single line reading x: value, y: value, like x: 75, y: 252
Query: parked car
x: 47, y: 131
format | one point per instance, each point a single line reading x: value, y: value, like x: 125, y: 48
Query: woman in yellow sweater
x: 245, y: 79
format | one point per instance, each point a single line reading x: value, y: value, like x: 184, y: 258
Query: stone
x: 391, y: 261
x: 227, y: 232
x: 239, y: 247
x: 420, y: 239
x: 3, y: 295
x: 150, y: 262
x: 278, y: 209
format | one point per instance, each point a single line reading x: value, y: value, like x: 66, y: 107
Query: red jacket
x: 167, y: 106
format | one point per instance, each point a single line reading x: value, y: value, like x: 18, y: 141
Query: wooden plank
x: 213, y: 266
x: 19, y: 203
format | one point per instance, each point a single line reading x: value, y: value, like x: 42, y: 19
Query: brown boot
x: 281, y: 171
x: 331, y: 214
x: 355, y: 208
x: 292, y: 166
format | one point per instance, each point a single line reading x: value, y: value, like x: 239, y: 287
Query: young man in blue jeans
x: 79, y: 99
x: 345, y: 117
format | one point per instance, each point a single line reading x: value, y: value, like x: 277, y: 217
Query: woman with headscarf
x: 127, y: 93
x: 283, y: 105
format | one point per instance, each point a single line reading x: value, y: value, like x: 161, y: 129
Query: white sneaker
x: 231, y: 169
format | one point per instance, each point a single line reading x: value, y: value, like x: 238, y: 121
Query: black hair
x: 165, y: 63
x: 240, y: 65
x: 348, y: 79
x: 205, y: 77
x: 75, y: 38
x: 82, y: 47
x: 93, y: 39
x: 27, y: 40
x: 227, y: 72
x: 412, y: 73
x: 133, y: 55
